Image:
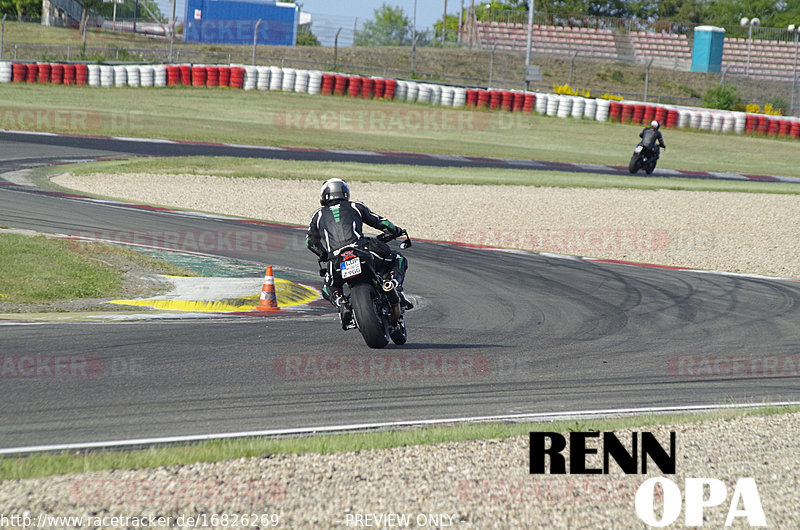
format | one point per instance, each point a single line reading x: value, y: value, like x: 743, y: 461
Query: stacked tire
x: 250, y: 77
x: 301, y: 79
x: 289, y: 76
x: 70, y: 74
x: 31, y: 73
x: 133, y: 74
x: 199, y: 76
x: 106, y: 75
x: 6, y: 72
x: 314, y: 82
x: 212, y: 76
x: 263, y: 77
x: 412, y: 91
x: 120, y: 76
x: 275, y: 78
x: 224, y: 76
x: 237, y: 77
x: 590, y: 109
x: 44, y: 72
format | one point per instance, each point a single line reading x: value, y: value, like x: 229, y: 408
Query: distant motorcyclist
x: 339, y: 223
x: 652, y: 139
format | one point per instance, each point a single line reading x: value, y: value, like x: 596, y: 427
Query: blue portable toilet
x: 707, y: 49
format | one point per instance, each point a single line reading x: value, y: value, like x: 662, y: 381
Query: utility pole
x: 171, y: 29
x: 2, y: 34
x: 444, y: 22
x: 336, y: 48
x: 460, y: 20
x: 414, y: 40
x: 529, y: 40
x: 472, y: 24
x: 255, y: 40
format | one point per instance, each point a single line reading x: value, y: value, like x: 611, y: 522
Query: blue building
x: 234, y: 21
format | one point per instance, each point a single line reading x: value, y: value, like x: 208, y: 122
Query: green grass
x: 46, y: 464
x: 283, y: 169
x: 32, y: 33
x: 36, y: 269
x: 40, y: 270
x: 328, y: 122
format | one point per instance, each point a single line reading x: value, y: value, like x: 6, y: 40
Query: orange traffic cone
x: 268, y: 302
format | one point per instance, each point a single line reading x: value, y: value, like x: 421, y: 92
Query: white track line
x: 531, y: 417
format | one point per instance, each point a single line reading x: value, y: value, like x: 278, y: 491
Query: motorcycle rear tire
x: 369, y: 322
x: 635, y: 163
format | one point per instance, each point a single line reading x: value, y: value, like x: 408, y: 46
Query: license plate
x: 638, y: 149
x: 351, y: 267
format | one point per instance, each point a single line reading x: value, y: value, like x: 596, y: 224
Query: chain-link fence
x: 456, y: 64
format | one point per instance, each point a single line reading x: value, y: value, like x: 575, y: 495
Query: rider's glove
x: 397, y: 231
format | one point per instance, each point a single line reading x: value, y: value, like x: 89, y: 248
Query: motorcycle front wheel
x: 635, y: 163
x: 369, y: 321
x: 651, y: 166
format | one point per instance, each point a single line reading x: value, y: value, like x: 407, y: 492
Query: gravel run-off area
x: 481, y: 484
x: 736, y: 232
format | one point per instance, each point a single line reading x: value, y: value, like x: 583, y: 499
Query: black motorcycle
x: 643, y: 158
x: 372, y: 298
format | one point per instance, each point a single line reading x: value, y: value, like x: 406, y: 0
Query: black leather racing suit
x: 340, y: 223
x: 650, y: 137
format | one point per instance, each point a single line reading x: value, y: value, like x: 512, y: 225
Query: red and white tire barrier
x: 365, y: 87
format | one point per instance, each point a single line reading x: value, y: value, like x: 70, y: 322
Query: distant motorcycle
x: 371, y: 296
x: 643, y: 158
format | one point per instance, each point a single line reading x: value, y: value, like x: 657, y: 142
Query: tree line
x: 772, y: 13
x: 391, y: 26
x: 33, y: 8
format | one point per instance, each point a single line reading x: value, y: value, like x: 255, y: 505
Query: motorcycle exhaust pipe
x: 393, y: 297
x: 388, y: 288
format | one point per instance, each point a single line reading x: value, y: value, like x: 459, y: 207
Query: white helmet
x: 333, y: 189
x: 655, y: 125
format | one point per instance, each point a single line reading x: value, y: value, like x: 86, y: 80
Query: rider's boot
x: 404, y: 302
x: 345, y: 313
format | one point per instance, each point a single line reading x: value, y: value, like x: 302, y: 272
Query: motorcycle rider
x: 337, y: 224
x: 650, y: 137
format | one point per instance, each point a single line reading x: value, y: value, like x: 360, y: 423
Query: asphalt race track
x: 531, y: 333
